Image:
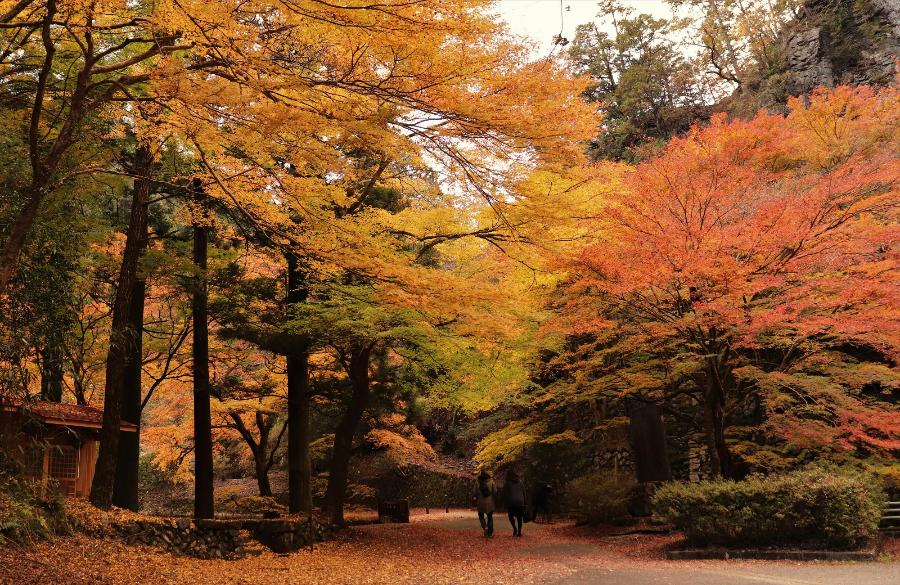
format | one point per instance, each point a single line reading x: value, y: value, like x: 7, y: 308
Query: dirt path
x: 435, y: 549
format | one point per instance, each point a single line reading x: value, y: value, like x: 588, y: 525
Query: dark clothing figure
x: 516, y: 518
x: 543, y: 499
x: 484, y: 501
x: 516, y: 501
x: 487, y: 523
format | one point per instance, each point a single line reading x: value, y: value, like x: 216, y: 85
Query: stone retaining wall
x: 180, y: 536
x: 218, y: 539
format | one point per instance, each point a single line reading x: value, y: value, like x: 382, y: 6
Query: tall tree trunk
x: 203, y: 460
x: 52, y: 368
x: 125, y: 489
x: 358, y: 371
x: 43, y: 161
x: 647, y: 438
x: 9, y: 256
x: 121, y: 336
x: 299, y: 466
x: 714, y: 426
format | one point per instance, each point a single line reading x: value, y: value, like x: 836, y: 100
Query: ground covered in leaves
x: 434, y: 549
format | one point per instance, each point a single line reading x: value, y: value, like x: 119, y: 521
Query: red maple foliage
x: 752, y: 247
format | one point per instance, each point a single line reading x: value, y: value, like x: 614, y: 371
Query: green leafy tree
x: 642, y: 83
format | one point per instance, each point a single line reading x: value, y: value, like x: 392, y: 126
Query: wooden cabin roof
x: 70, y: 415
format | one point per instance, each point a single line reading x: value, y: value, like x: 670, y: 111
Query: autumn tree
x: 66, y: 65
x: 745, y: 252
x: 295, y: 113
x: 640, y: 80
x: 249, y: 387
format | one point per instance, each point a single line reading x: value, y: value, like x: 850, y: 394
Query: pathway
x: 437, y: 549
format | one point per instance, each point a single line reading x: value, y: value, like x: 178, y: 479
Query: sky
x: 540, y: 19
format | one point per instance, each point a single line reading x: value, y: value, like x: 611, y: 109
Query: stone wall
x: 212, y: 539
x: 182, y: 537
x: 614, y: 459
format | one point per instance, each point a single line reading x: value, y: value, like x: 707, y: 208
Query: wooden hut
x: 54, y: 441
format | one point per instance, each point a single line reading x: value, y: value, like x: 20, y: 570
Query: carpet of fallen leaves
x: 435, y: 549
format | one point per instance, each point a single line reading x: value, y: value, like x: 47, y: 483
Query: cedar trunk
x: 299, y: 467
x: 121, y: 337
x: 52, y: 368
x: 125, y: 489
x: 358, y: 371
x: 203, y: 460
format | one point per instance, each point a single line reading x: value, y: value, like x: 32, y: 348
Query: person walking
x: 484, y: 501
x: 516, y: 500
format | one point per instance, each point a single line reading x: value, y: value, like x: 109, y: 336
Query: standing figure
x: 543, y: 501
x: 516, y: 500
x: 484, y: 500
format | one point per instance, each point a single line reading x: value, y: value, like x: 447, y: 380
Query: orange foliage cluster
x: 767, y: 223
x: 770, y: 232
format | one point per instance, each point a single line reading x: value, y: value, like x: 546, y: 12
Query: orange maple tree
x: 743, y: 253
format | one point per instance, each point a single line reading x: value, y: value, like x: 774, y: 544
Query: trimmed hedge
x: 813, y: 507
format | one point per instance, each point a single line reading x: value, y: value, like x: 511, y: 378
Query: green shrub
x: 600, y: 497
x: 25, y: 515
x: 813, y: 507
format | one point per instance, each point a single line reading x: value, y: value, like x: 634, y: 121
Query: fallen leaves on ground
x: 433, y: 549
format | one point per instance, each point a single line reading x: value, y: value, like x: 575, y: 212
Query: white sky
x: 540, y: 19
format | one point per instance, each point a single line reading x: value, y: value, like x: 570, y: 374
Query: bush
x: 889, y: 476
x: 25, y: 515
x: 600, y: 497
x: 813, y: 507
x: 253, y: 505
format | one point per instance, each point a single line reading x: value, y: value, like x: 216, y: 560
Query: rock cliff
x: 842, y: 41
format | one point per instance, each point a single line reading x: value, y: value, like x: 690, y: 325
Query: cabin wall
x: 41, y: 452
x: 66, y: 455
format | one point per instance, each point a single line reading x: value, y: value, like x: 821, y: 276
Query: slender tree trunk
x: 262, y: 475
x: 125, y: 489
x: 343, y: 435
x: 261, y: 455
x: 299, y: 466
x: 203, y: 460
x: 121, y: 337
x: 713, y: 9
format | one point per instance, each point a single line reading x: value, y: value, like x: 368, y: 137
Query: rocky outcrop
x: 850, y: 42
